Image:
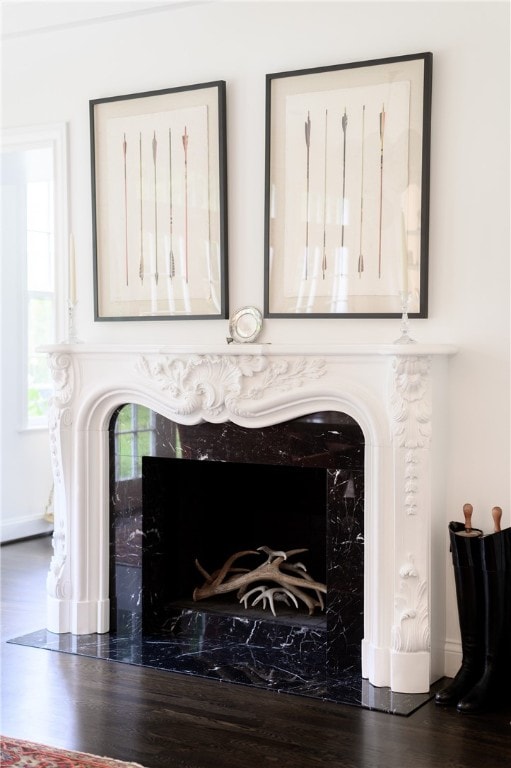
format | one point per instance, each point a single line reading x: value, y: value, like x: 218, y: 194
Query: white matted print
x: 347, y: 187
x: 159, y: 204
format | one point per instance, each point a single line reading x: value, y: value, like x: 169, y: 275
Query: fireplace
x: 393, y: 393
x: 180, y: 498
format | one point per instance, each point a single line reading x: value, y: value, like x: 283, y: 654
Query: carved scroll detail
x: 59, y: 413
x: 411, y: 409
x: 57, y: 585
x: 411, y: 482
x: 412, y: 632
x: 410, y: 403
x: 61, y: 372
x: 213, y: 383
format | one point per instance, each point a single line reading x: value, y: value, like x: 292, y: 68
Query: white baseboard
x: 11, y: 530
x: 453, y: 657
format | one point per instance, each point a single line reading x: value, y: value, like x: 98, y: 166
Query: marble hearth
x: 390, y: 396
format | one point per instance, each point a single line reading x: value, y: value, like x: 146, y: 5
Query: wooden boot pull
x: 469, y: 531
x: 468, y: 511
x: 496, y: 513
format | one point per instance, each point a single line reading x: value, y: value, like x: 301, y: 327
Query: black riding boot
x: 494, y: 684
x: 466, y: 559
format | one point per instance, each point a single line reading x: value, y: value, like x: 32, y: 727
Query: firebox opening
x: 210, y: 510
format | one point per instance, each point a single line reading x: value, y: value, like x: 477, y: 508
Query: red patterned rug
x: 15, y: 753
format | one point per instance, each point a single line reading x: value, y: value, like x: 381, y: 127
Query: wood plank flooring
x: 165, y: 720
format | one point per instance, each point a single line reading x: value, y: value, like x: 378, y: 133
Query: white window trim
x: 33, y: 137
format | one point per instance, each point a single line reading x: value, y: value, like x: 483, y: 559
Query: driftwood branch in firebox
x: 292, y: 580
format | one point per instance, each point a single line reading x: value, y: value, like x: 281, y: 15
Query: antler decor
x: 292, y: 579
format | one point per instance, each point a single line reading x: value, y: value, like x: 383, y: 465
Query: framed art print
x: 159, y: 194
x: 347, y: 189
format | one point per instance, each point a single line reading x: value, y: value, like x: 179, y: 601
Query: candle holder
x: 72, y: 338
x: 405, y: 337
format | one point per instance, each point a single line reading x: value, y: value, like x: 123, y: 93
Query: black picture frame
x: 159, y: 204
x: 347, y: 158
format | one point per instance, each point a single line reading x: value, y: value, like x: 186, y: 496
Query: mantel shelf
x: 301, y: 350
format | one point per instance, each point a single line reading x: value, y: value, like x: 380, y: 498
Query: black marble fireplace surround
x: 212, y: 490
x: 208, y: 491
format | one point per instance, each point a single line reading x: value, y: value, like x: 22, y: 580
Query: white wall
x: 50, y: 77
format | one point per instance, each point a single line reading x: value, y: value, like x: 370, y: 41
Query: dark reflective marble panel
x: 229, y: 661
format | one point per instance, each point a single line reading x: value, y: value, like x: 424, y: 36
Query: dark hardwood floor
x: 163, y: 719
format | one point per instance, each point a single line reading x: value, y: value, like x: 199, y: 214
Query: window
x: 40, y: 280
x: 35, y: 230
x: 134, y: 437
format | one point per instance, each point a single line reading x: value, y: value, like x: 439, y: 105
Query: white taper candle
x: 72, y: 271
x: 404, y: 257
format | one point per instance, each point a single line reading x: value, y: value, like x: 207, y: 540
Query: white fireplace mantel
x: 395, y: 392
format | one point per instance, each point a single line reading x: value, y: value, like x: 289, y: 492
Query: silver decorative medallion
x: 245, y: 325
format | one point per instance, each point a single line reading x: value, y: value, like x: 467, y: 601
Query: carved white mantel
x: 396, y: 393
